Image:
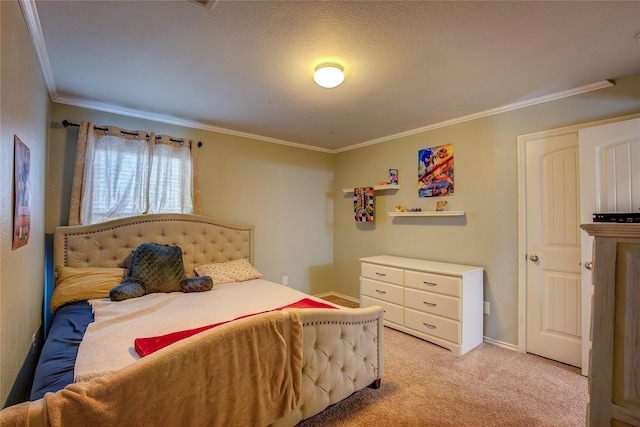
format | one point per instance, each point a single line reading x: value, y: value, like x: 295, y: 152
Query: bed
x: 269, y: 355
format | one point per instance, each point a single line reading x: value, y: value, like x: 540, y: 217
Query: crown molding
x: 109, y: 108
x: 172, y: 120
x: 492, y: 112
x: 32, y: 20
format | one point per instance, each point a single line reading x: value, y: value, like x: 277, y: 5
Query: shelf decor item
x: 363, y: 204
x: 442, y: 206
x: 435, y: 171
x: 393, y: 176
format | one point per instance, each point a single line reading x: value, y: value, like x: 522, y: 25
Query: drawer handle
x: 430, y: 283
x: 429, y: 326
x: 380, y: 292
x: 429, y: 304
x: 380, y: 274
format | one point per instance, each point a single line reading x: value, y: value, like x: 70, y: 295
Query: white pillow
x: 238, y: 270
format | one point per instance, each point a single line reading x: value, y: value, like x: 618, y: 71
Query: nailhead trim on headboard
x: 203, y: 240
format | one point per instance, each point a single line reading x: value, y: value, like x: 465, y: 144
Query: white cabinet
x: 436, y: 301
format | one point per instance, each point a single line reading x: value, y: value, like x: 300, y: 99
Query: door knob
x: 534, y: 258
x: 588, y: 265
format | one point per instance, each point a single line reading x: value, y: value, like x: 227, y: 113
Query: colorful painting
x: 363, y: 204
x: 22, y: 196
x: 435, y: 171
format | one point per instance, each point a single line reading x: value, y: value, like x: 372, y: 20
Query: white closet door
x: 609, y: 182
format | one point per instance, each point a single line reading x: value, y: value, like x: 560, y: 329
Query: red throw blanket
x: 146, y: 346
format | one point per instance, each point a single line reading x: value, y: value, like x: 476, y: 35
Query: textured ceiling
x: 246, y: 67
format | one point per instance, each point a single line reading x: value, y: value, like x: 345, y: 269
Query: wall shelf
x: 375, y: 188
x: 428, y: 213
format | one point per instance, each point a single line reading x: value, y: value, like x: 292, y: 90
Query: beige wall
x: 485, y: 187
x: 284, y: 191
x: 23, y: 112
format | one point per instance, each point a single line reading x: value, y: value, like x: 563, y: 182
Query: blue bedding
x: 55, y: 367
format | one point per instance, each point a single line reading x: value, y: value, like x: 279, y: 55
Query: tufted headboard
x: 203, y: 240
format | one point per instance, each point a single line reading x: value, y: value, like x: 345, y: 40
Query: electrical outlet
x: 285, y: 280
x: 485, y: 307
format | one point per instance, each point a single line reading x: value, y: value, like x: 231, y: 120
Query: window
x: 127, y: 174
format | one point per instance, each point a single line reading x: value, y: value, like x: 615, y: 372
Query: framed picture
x: 21, y: 194
x: 393, y: 176
x: 442, y: 206
x: 435, y: 171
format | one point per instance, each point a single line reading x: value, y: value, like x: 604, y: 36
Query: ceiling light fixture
x: 329, y: 75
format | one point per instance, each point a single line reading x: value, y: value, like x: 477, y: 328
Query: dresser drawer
x: 380, y: 290
x: 431, y: 282
x: 433, y: 325
x: 392, y: 312
x: 442, y: 305
x: 380, y: 272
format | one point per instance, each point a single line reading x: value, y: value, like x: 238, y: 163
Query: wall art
x: 21, y: 194
x: 435, y: 171
x: 363, y: 204
x: 393, y: 176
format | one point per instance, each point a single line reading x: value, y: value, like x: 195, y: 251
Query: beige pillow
x: 79, y: 284
x: 238, y: 270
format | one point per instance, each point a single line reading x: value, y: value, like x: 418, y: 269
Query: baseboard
x: 508, y: 346
x: 339, y: 295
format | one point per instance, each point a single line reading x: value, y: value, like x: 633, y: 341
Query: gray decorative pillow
x: 196, y: 284
x: 156, y: 268
x: 126, y: 290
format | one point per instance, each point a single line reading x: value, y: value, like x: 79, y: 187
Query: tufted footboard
x: 342, y: 353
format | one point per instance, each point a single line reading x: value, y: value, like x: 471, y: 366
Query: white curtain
x: 122, y: 173
x: 171, y: 171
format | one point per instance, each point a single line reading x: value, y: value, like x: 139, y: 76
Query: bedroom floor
x: 341, y: 301
x: 489, y: 386
x: 428, y: 386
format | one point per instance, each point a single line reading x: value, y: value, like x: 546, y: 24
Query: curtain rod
x: 67, y: 123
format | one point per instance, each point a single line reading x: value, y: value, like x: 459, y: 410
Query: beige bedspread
x: 108, y: 343
x: 246, y: 372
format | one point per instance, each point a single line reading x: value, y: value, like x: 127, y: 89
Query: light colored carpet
x: 341, y: 301
x: 426, y: 385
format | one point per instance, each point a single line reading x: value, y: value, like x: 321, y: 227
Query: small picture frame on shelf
x: 393, y: 176
x: 441, y: 206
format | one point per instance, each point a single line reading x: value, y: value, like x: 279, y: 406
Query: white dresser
x: 436, y: 301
